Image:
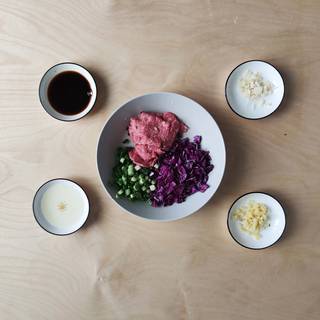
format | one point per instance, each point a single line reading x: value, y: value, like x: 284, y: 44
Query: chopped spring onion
x: 131, y: 181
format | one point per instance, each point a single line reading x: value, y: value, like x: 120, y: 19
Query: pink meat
x: 152, y: 135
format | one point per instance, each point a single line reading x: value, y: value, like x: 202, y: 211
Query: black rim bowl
x: 64, y: 120
x: 225, y: 90
x: 285, y: 221
x: 34, y: 213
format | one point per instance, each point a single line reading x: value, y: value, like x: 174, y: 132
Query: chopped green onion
x: 137, y: 195
x: 130, y: 180
x: 124, y: 180
x: 130, y: 170
x: 152, y: 187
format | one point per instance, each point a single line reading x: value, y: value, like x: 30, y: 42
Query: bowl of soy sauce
x: 67, y: 91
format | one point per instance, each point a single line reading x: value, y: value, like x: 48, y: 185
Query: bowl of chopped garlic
x: 256, y: 220
x: 254, y: 89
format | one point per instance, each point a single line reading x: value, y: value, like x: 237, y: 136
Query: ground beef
x: 152, y: 135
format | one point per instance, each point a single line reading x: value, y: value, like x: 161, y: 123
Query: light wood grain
x: 121, y: 267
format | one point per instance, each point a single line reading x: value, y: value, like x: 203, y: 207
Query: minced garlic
x: 253, y: 218
x: 254, y: 86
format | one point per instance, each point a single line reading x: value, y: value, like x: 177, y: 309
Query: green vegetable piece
x: 133, y: 179
x: 120, y: 192
x: 130, y: 170
x: 137, y: 195
x: 145, y: 171
x: 122, y: 160
x: 127, y: 192
x: 124, y: 180
x: 152, y: 187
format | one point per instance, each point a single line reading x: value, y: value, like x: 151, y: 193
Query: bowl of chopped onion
x: 254, y: 89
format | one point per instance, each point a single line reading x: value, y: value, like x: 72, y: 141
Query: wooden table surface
x: 122, y: 267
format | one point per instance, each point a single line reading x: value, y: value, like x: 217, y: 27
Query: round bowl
x: 199, y: 121
x: 271, y: 234
x: 50, y: 74
x: 81, y: 200
x: 240, y: 104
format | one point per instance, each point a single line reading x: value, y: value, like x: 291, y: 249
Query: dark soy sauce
x: 69, y: 92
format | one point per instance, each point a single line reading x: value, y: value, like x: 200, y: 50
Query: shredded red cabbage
x: 183, y: 170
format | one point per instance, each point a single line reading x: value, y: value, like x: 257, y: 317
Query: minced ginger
x: 253, y: 218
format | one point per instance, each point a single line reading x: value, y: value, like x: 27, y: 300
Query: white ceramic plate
x: 50, y: 74
x: 240, y: 104
x: 199, y: 121
x: 269, y: 235
x: 82, y: 203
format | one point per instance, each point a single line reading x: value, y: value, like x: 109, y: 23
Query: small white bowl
x: 199, y: 121
x: 269, y: 235
x: 39, y: 214
x: 50, y: 74
x: 240, y: 104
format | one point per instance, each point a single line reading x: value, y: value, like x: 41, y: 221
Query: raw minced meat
x: 152, y: 135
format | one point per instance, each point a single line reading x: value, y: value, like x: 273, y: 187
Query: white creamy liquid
x: 63, y: 205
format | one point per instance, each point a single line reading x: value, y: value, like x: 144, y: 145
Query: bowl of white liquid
x: 60, y: 206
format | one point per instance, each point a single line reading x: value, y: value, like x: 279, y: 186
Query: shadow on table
x: 94, y: 201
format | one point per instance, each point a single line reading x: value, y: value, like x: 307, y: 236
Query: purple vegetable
x: 183, y: 171
x: 197, y: 139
